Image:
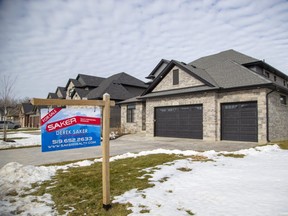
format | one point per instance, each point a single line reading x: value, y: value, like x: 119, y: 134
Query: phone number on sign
x: 71, y: 140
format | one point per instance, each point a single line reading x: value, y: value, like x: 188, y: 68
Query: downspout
x: 267, y: 114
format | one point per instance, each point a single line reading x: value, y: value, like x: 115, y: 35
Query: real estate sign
x: 70, y: 128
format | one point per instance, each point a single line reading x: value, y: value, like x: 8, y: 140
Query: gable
x: 185, y: 80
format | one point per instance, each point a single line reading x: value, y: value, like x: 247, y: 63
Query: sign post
x: 106, y: 103
x: 105, y: 153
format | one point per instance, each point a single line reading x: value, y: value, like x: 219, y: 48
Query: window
x: 275, y: 78
x: 283, y: 99
x: 175, y: 77
x: 266, y: 74
x: 284, y: 82
x: 131, y: 113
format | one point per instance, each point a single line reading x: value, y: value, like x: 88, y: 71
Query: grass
x: 81, y: 187
x: 232, y: 155
x: 283, y: 144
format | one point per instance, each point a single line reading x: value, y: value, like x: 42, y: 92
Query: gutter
x: 267, y: 114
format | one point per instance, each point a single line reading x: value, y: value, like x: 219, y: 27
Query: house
x: 78, y: 88
x: 225, y: 96
x: 26, y: 110
x: 120, y: 86
x: 60, y: 93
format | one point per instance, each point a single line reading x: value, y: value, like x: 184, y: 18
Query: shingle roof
x: 27, y: 108
x: 223, y: 70
x: 88, y: 80
x: 81, y: 92
x: 162, y: 63
x: 75, y: 82
x: 52, y: 95
x: 114, y: 85
x: 230, y: 74
x: 209, y: 61
x: 62, y: 91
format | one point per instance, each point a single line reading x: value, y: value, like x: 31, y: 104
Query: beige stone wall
x: 278, y: 113
x: 131, y: 127
x: 185, y: 80
x: 209, y: 109
x: 70, y: 86
x: 258, y: 95
x: 278, y: 117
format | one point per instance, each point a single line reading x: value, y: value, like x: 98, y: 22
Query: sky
x: 44, y: 43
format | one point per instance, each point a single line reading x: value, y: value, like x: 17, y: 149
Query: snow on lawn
x: 253, y: 185
x: 25, y: 140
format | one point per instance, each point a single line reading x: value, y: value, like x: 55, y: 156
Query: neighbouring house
x: 26, y: 111
x: 225, y: 96
x: 120, y: 86
x: 60, y: 93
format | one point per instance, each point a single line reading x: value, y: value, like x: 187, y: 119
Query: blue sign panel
x: 70, y: 128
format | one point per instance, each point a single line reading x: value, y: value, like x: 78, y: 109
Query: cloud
x: 46, y: 43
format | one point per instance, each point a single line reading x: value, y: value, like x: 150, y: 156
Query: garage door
x: 179, y: 121
x: 239, y: 121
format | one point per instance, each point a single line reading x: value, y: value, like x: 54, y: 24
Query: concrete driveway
x: 127, y: 143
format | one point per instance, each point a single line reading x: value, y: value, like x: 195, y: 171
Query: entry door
x: 239, y: 121
x: 179, y: 121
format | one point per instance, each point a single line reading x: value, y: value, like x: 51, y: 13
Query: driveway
x: 127, y: 143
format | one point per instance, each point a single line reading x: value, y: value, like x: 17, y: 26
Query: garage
x: 239, y: 121
x: 179, y: 121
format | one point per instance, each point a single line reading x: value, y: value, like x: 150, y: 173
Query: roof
x: 225, y: 70
x: 88, y: 80
x: 27, y: 108
x: 209, y: 61
x: 75, y: 82
x: 52, y: 95
x: 131, y: 100
x: 62, y: 91
x: 197, y: 73
x: 162, y: 63
x: 115, y: 86
x: 81, y: 92
x: 230, y: 74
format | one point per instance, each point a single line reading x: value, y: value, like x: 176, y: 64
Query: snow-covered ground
x: 25, y: 140
x: 254, y: 185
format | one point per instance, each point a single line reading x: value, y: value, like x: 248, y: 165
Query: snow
x: 253, y: 185
x: 26, y: 140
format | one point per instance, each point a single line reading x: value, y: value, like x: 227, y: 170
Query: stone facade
x: 186, y: 80
x: 137, y: 125
x: 278, y: 115
x: 212, y: 110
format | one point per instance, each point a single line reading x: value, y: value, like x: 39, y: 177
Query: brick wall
x: 278, y: 117
x: 185, y: 80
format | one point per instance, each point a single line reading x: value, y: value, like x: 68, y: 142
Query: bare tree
x: 6, y: 98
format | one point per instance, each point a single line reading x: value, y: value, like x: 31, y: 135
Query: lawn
x: 80, y: 188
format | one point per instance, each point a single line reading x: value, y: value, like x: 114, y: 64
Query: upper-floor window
x: 131, y: 113
x: 175, y: 77
x: 266, y: 74
x: 284, y: 82
x: 275, y: 78
x: 283, y: 99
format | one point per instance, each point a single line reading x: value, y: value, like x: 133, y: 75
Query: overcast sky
x: 44, y: 43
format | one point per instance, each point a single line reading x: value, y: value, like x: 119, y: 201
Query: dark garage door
x: 179, y: 121
x: 239, y: 121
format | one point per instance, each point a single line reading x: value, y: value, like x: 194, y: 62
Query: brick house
x: 225, y: 96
